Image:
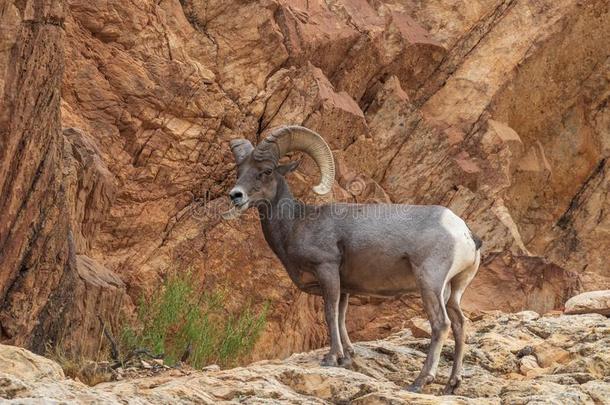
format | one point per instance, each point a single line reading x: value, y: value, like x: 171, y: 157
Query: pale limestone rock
x: 592, y: 302
x: 419, y: 327
x: 528, y: 364
x: 548, y: 354
x: 493, y: 374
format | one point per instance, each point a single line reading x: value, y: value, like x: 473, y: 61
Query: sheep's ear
x: 288, y: 167
x: 241, y: 148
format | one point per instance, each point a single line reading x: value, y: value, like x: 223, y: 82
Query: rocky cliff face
x: 517, y: 359
x: 116, y: 117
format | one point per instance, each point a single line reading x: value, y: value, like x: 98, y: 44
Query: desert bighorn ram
x: 335, y: 250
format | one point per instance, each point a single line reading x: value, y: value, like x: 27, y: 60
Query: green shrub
x: 182, y: 322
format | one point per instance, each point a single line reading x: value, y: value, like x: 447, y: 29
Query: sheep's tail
x: 477, y: 241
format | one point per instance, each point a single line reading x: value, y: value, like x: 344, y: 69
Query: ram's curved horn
x: 241, y: 148
x: 296, y: 138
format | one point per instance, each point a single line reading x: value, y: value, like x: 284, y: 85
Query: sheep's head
x: 258, y: 168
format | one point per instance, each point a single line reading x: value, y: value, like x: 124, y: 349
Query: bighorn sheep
x: 335, y: 250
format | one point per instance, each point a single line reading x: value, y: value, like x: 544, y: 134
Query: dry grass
x: 87, y: 371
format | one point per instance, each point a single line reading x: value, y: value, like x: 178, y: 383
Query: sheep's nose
x: 236, y: 196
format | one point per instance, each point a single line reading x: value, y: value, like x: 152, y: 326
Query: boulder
x: 591, y: 302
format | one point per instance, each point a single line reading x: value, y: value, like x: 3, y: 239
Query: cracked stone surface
x: 511, y: 358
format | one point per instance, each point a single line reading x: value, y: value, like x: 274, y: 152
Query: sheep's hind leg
x: 434, y: 304
x: 458, y: 285
x: 348, y: 348
x: 328, y: 277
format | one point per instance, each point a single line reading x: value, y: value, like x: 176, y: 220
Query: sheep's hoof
x: 419, y: 383
x: 452, y: 385
x: 346, y: 361
x: 349, y: 350
x: 329, y: 360
x: 416, y: 388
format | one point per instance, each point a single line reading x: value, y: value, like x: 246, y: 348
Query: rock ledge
x: 511, y: 358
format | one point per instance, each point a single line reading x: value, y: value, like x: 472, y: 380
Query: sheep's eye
x: 266, y: 172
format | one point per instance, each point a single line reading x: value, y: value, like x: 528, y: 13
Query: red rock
x: 422, y: 102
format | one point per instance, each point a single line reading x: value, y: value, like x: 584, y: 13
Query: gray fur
x: 335, y: 250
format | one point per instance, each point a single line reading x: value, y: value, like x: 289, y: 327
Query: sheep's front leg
x: 328, y: 277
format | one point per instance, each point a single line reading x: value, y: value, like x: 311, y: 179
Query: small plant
x: 183, y: 323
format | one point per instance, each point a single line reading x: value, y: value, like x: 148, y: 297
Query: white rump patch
x: 464, y: 249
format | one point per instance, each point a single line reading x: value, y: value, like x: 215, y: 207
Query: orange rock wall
x: 116, y: 119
